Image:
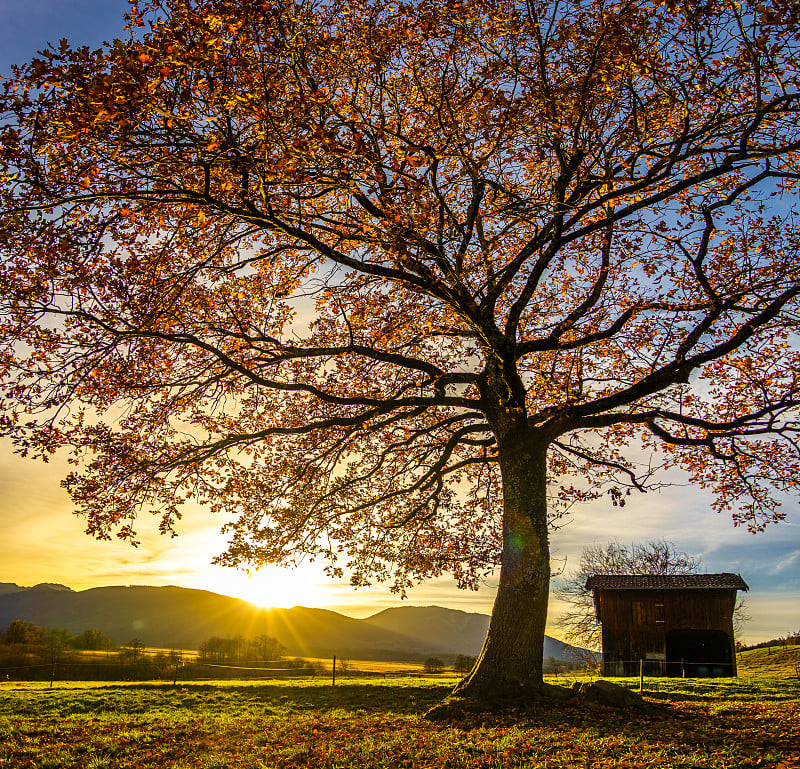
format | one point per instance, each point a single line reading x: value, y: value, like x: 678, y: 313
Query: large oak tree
x: 388, y: 282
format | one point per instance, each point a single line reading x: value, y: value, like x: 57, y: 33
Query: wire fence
x: 194, y: 671
x: 669, y: 668
x: 175, y: 669
x: 693, y: 668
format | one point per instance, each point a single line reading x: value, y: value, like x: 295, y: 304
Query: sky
x: 41, y: 541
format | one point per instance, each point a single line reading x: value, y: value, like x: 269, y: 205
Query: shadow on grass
x: 719, y: 689
x: 697, y: 729
x: 252, y: 699
x: 372, y: 698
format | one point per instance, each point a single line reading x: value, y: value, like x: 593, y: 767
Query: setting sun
x: 304, y: 585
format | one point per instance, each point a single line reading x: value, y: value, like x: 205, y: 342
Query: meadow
x: 379, y: 723
x: 780, y: 661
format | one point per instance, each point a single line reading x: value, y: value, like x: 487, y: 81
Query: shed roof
x: 665, y: 581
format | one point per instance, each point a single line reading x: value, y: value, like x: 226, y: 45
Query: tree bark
x: 510, y: 662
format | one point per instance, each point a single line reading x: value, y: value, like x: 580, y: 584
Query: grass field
x: 713, y: 723
x: 775, y: 661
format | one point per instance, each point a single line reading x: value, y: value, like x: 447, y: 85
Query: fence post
x: 334, y: 671
x: 52, y: 674
x: 683, y: 669
x: 641, y: 675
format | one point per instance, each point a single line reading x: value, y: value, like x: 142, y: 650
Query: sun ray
x: 273, y: 586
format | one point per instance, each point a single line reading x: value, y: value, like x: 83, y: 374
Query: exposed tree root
x: 461, y: 706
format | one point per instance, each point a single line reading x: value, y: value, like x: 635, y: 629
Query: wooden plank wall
x: 635, y: 622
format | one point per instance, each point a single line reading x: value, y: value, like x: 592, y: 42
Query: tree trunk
x: 510, y: 662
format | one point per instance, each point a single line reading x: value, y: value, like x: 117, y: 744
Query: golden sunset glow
x: 273, y: 586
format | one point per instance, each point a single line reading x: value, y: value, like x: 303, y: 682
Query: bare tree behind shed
x: 657, y: 556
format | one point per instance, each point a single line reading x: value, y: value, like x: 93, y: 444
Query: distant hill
x: 12, y: 587
x: 450, y: 629
x: 177, y: 617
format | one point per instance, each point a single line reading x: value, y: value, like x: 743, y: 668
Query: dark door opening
x: 699, y: 653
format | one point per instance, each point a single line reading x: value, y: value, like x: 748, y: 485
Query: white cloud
x: 790, y: 562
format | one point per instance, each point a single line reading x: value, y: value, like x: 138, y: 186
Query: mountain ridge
x: 179, y: 617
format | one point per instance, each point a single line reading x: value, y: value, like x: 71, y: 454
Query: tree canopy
x: 380, y: 279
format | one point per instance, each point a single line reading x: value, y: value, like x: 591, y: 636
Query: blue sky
x: 41, y: 541
x: 27, y: 26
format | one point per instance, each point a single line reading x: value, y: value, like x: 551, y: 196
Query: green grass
x: 713, y: 723
x: 719, y: 689
x: 775, y: 661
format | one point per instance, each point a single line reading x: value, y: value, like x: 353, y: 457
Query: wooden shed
x: 680, y: 625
